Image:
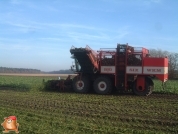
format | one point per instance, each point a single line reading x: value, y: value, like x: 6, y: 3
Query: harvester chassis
x: 124, y: 69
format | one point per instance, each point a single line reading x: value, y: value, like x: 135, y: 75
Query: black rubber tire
x: 106, y: 82
x: 149, y: 86
x: 84, y: 87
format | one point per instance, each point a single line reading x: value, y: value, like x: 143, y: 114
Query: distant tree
x: 18, y: 70
x: 67, y: 71
x: 172, y: 58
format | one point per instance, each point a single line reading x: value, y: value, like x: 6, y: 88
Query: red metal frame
x: 136, y: 51
x: 156, y: 66
x: 110, y: 61
x: 93, y: 57
x: 140, y: 83
x: 126, y: 57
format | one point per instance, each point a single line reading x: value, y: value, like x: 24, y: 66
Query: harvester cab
x: 85, y: 60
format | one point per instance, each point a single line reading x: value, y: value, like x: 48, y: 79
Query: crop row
x: 125, y: 110
x: 55, y: 112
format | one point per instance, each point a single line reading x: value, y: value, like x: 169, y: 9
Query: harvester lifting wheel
x: 102, y: 85
x: 80, y: 84
x: 149, y: 85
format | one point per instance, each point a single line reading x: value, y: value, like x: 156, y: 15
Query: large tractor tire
x: 80, y: 85
x: 102, y: 85
x: 149, y: 86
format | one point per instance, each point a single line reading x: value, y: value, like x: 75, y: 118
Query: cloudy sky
x: 38, y: 34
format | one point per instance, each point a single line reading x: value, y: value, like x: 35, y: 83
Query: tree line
x: 18, y: 70
x: 68, y: 71
x: 32, y: 71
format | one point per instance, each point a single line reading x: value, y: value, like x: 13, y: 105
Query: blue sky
x: 38, y: 34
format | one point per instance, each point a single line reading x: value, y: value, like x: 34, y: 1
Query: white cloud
x: 150, y: 2
x: 21, y: 47
x: 51, y: 39
x: 156, y: 1
x: 16, y: 2
x: 14, y: 47
x: 24, y: 27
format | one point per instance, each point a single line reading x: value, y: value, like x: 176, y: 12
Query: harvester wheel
x: 80, y: 85
x: 149, y: 86
x: 102, y: 85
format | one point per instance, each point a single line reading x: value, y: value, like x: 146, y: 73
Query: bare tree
x: 158, y: 53
x: 173, y: 66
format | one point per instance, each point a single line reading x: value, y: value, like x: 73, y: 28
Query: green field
x: 42, y: 112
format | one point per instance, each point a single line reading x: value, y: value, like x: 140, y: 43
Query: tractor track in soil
x: 165, y: 96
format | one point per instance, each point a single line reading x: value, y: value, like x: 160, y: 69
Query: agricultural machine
x: 124, y: 69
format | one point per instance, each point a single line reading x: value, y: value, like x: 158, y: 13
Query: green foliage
x: 14, y: 83
x: 169, y: 87
x: 23, y: 83
x: 44, y: 112
x: 38, y: 83
x: 54, y: 112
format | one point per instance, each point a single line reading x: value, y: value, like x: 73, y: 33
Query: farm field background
x: 42, y: 112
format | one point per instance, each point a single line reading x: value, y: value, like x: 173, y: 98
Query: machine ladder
x: 121, y: 67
